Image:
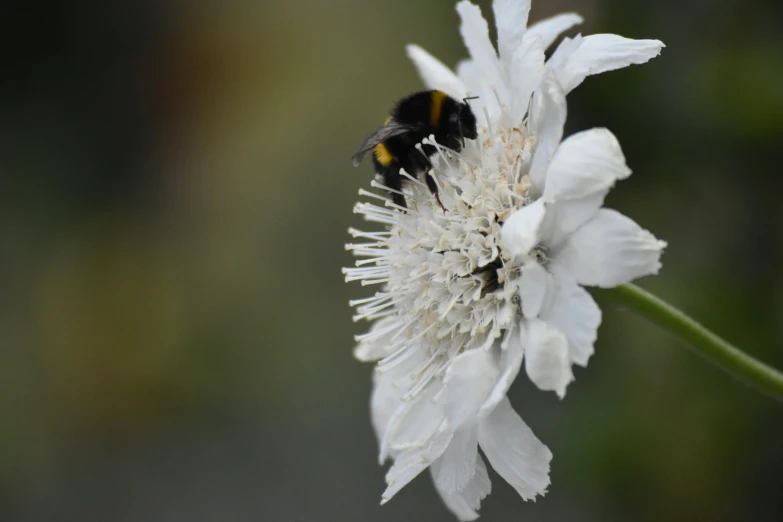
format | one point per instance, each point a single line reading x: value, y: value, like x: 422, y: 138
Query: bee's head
x: 463, y: 122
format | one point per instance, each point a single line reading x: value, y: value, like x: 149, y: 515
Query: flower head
x: 469, y: 293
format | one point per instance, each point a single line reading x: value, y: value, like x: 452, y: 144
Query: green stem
x: 752, y: 371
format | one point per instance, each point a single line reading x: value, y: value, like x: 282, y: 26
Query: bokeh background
x: 175, y: 188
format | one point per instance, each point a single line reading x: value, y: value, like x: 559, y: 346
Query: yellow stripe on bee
x: 436, y: 106
x: 383, y: 155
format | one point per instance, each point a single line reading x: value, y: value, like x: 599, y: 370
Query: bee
x: 414, y: 118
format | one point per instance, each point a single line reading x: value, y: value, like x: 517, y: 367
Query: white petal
x: 550, y: 28
x: 435, y: 74
x: 546, y: 357
x: 585, y: 163
x: 520, y: 231
x: 533, y: 288
x: 547, y: 118
x: 471, y: 77
x: 610, y: 250
x: 370, y: 352
x: 414, y: 422
x: 515, y: 452
x: 599, y: 53
x: 564, y: 50
x: 469, y: 74
x: 465, y: 503
x: 525, y: 73
x: 469, y: 380
x: 385, y: 401
x: 573, y: 311
x: 563, y: 217
x: 475, y: 33
x: 413, y: 461
x: 510, y: 363
x: 456, y: 467
x: 511, y: 21
x: 487, y: 103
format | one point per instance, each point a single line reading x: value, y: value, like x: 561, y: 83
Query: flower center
x: 447, y: 287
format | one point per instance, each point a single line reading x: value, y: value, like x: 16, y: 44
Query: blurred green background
x: 176, y: 187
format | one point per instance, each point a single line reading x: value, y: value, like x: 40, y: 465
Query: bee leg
x: 430, y: 178
x: 399, y: 200
x: 393, y: 180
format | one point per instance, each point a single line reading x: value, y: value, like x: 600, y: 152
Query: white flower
x: 468, y: 293
x: 578, y: 243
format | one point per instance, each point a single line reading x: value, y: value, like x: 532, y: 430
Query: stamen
x: 411, y: 178
x: 369, y: 207
x: 376, y: 184
x: 376, y: 334
x: 373, y: 260
x: 367, y: 193
x: 427, y: 375
x: 365, y: 252
x: 368, y: 282
x: 377, y: 296
x: 378, y: 236
x: 359, y: 246
x: 489, y: 125
x: 380, y: 315
x: 369, y: 310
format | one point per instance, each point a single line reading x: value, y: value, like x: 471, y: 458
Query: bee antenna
x: 469, y: 98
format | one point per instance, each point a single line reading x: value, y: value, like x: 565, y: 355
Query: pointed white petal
x: 610, y: 250
x: 550, y: 28
x: 525, y: 71
x: 563, y: 52
x: 546, y: 357
x: 585, y: 163
x: 465, y: 503
x: 510, y: 363
x: 469, y: 380
x: 511, y: 21
x: 475, y: 33
x: 413, y: 461
x: 563, y: 217
x: 385, y: 401
x: 533, y: 288
x: 547, y: 118
x: 456, y: 467
x: 435, y: 74
x: 520, y: 231
x: 515, y: 452
x: 457, y: 505
x: 479, y: 486
x: 573, y: 311
x: 599, y: 53
x: 413, y: 423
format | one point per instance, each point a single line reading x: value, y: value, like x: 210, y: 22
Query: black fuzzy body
x: 413, y: 119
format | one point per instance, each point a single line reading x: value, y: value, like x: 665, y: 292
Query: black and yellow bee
x: 414, y: 118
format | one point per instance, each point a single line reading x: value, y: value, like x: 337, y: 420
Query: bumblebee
x: 414, y: 118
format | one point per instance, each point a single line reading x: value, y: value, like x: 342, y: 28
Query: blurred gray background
x: 175, y: 189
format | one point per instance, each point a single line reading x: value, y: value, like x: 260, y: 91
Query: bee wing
x: 391, y: 129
